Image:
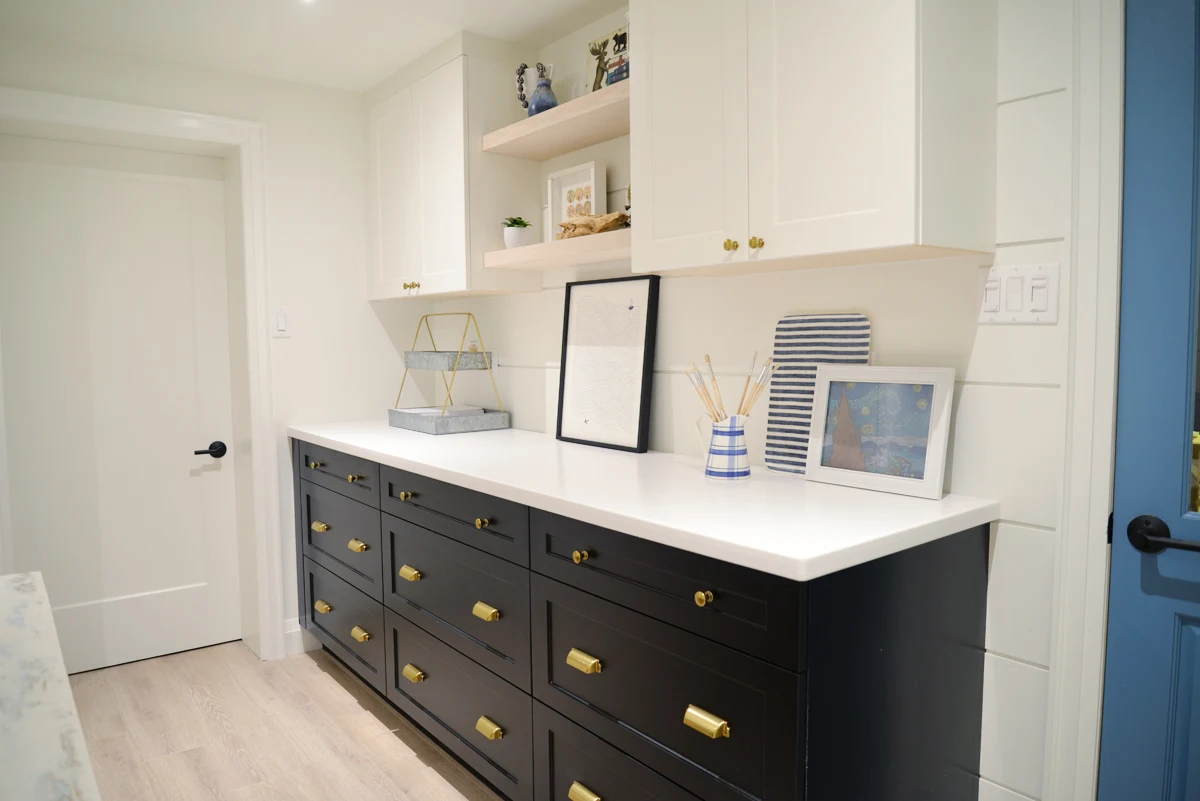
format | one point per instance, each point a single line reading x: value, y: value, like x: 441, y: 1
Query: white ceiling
x: 344, y: 44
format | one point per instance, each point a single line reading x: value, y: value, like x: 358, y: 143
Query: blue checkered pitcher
x: 728, y: 459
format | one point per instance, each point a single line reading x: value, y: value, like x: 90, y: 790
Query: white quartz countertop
x: 776, y: 523
x: 42, y: 753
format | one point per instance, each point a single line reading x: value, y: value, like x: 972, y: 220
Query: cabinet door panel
x: 439, y: 115
x: 395, y: 209
x: 688, y: 133
x: 832, y: 125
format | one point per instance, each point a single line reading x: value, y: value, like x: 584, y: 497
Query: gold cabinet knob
x: 484, y: 612
x: 482, y: 522
x: 413, y: 673
x: 580, y: 793
x: 406, y: 496
x: 706, y: 723
x: 584, y: 663
x: 757, y: 242
x: 703, y: 597
x: 409, y: 573
x: 360, y: 634
x: 354, y: 479
x: 731, y: 244
x: 358, y: 546
x: 413, y: 285
x: 322, y: 607
x: 579, y: 557
x: 488, y: 729
x: 315, y: 465
x: 319, y: 527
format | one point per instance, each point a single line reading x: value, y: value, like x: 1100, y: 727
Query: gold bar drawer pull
x: 584, y: 663
x: 484, y: 612
x: 322, y: 607
x: 319, y: 527
x: 409, y: 573
x: 315, y: 465
x: 354, y: 479
x: 488, y: 729
x: 360, y: 634
x: 580, y: 793
x: 358, y: 546
x: 706, y: 723
x: 413, y: 673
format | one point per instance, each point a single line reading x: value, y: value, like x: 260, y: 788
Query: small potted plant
x: 518, y: 232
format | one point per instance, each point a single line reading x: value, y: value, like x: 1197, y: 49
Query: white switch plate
x: 1020, y: 294
x: 281, y: 323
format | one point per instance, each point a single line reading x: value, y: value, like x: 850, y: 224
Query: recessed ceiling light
x: 308, y: 2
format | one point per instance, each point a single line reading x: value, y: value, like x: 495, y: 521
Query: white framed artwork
x: 881, y: 428
x: 575, y: 192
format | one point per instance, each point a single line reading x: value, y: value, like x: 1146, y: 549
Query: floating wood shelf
x: 576, y: 252
x: 587, y: 120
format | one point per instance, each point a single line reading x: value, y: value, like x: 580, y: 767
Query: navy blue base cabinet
x: 564, y: 662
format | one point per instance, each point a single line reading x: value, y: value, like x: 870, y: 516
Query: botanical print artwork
x: 577, y: 200
x: 606, y: 340
x: 878, y: 428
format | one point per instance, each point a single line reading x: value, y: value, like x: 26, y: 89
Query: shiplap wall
x: 1010, y: 402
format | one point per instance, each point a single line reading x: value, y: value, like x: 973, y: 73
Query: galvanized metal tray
x: 444, y: 360
x: 490, y: 420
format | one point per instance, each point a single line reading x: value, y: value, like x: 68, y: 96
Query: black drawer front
x: 348, y: 609
x: 450, y: 699
x: 348, y: 475
x: 453, y: 511
x: 343, y: 537
x: 454, y: 578
x: 565, y: 754
x: 650, y: 674
x: 750, y: 611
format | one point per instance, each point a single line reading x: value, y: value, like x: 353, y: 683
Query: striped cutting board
x: 802, y: 342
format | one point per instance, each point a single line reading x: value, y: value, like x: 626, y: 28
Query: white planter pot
x: 518, y: 237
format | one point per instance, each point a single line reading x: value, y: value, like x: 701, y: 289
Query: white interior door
x: 114, y: 350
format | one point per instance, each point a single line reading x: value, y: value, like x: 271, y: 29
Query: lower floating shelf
x: 613, y: 246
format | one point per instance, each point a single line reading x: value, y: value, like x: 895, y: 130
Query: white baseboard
x: 294, y: 641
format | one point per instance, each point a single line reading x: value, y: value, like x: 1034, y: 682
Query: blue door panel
x: 1149, y: 738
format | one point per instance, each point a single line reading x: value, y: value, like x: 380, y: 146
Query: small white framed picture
x: 576, y: 192
x: 882, y: 428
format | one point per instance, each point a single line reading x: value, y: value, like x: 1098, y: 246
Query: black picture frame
x: 643, y: 431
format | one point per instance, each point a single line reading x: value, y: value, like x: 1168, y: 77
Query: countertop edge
x: 982, y: 512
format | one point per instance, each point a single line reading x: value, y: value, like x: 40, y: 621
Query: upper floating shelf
x: 587, y: 120
x: 579, y: 251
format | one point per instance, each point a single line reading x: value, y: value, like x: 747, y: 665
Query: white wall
x: 340, y: 362
x: 1010, y: 401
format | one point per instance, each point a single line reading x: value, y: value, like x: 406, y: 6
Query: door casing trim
x: 243, y: 140
x: 1081, y: 588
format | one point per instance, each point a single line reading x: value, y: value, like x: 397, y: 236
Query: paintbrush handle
x: 741, y: 407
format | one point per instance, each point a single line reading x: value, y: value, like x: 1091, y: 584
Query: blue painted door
x: 1150, y: 742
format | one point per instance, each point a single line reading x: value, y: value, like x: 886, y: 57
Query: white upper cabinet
x: 688, y: 131
x: 418, y: 145
x: 861, y: 131
x: 429, y: 226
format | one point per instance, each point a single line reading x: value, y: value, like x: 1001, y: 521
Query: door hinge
x: 1110, y: 525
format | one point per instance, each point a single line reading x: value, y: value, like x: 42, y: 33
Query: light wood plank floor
x: 219, y: 725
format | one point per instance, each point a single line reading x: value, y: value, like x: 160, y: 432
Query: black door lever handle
x: 1149, y: 534
x: 215, y: 450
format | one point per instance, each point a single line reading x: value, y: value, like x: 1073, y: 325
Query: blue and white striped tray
x: 802, y: 342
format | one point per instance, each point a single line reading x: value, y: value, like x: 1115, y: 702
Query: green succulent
x: 516, y: 222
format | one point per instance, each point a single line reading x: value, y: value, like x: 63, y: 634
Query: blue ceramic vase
x: 542, y: 98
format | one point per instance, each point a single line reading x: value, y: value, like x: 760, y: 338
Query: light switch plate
x: 1020, y: 294
x: 281, y: 323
